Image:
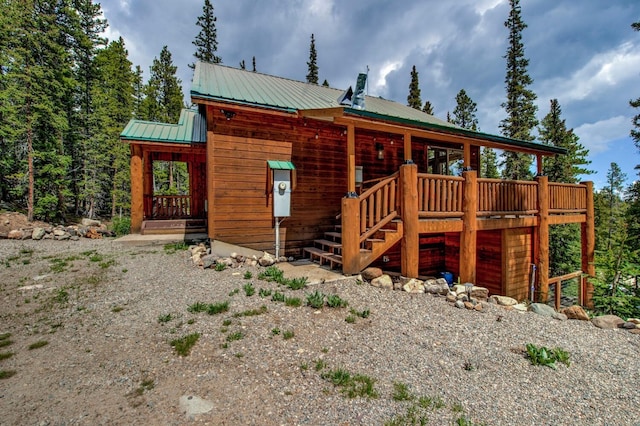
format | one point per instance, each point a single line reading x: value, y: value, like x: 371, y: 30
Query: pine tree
x: 325, y: 83
x: 253, y: 63
x: 413, y: 99
x: 242, y: 65
x: 206, y: 41
x: 312, y: 75
x: 138, y: 93
x: 520, y: 107
x: 427, y: 108
x: 553, y: 131
x: 464, y: 114
x: 489, y: 164
x: 564, y: 240
x: 114, y: 105
x: 38, y: 82
x: 163, y: 93
x: 635, y: 132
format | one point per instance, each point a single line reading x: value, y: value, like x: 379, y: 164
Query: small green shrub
x: 293, y: 302
x: 38, y: 344
x: 264, y: 293
x: 121, y: 225
x: 5, y: 342
x: 5, y: 374
x: 220, y: 267
x: 5, y: 336
x: 227, y: 322
x: 271, y: 273
x: 249, y: 289
x: 174, y: 247
x: 117, y: 309
x: 234, y: 292
x: 352, y: 386
x: 315, y: 299
x: 252, y: 312
x: 350, y: 319
x: 296, y: 283
x: 288, y: 334
x: 540, y: 355
x: 278, y: 297
x: 275, y: 331
x: 163, y: 319
x: 320, y: 365
x: 217, y: 308
x: 95, y: 257
x: 401, y: 392
x: 62, y: 296
x: 235, y: 336
x: 248, y: 275
x: 335, y: 301
x: 184, y: 344
x: 197, y: 307
x: 6, y: 355
x: 362, y: 314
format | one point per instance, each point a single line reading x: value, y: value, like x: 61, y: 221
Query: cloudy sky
x: 584, y: 53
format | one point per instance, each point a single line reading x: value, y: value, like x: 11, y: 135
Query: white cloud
x: 597, y: 136
x: 482, y: 6
x: 379, y: 86
x: 603, y: 72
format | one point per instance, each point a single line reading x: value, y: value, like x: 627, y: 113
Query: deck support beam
x: 137, y: 204
x: 209, y: 184
x: 351, y: 160
x: 542, y: 239
x: 468, y: 236
x: 411, y: 237
x: 588, y: 236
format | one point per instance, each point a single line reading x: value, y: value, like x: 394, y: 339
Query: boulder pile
x: 202, y: 256
x: 88, y: 228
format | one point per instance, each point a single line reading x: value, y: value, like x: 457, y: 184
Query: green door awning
x: 280, y: 165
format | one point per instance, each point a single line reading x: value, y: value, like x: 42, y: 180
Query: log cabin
x: 370, y: 182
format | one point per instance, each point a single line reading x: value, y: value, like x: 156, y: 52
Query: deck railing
x: 171, y: 206
x: 501, y: 197
x: 439, y: 196
x: 378, y: 206
x: 567, y: 198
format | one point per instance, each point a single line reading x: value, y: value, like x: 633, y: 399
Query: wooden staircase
x: 173, y: 226
x: 328, y: 250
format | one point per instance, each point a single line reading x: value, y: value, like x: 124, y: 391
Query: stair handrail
x: 367, y: 197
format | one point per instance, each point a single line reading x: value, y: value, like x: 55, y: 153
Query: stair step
x: 327, y: 243
x: 316, y: 254
x: 375, y: 240
x: 332, y: 234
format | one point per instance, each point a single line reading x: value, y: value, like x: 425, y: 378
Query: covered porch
x: 473, y: 216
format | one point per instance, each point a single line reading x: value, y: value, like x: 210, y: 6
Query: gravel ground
x: 109, y: 360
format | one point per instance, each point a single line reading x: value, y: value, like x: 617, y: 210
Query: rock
x: 469, y: 305
x: 636, y: 331
x: 480, y: 293
x: 451, y: 297
x: 38, y: 233
x: 413, y: 286
x: 371, y: 273
x: 266, y: 260
x: 209, y: 260
x: 629, y: 326
x: 192, y: 406
x: 560, y: 317
x: 65, y: 236
x: 74, y: 238
x: 542, y: 309
x: 608, y: 322
x: 437, y: 288
x: 15, y: 234
x: 503, y: 300
x: 459, y: 304
x: 520, y: 307
x: 634, y: 320
x: 575, y: 312
x: 459, y: 289
x: 479, y: 307
x: 442, y: 281
x: 397, y: 285
x: 233, y: 255
x: 90, y: 222
x: 283, y: 259
x: 383, y: 281
x: 58, y: 232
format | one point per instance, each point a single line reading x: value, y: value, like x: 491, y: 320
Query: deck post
x: 351, y: 160
x: 137, y: 205
x: 350, y: 235
x: 542, y: 238
x: 409, y: 211
x: 408, y: 159
x: 209, y: 184
x: 588, y: 237
x: 468, y: 241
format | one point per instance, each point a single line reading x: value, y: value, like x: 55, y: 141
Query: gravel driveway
x: 108, y: 315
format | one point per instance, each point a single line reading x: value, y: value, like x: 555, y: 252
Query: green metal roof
x: 227, y: 84
x: 191, y: 128
x: 280, y: 165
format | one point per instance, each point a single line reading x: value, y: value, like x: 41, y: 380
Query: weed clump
x: 184, y: 344
x: 540, y: 355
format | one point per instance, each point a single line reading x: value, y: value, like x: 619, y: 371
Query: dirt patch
x: 14, y: 220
